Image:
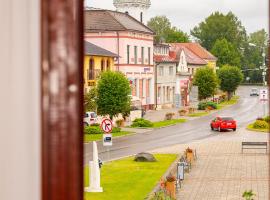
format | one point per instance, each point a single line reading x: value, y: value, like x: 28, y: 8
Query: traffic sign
x: 263, y: 94
x: 106, y: 125
x: 107, y: 139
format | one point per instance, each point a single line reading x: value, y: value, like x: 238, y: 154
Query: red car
x: 223, y: 123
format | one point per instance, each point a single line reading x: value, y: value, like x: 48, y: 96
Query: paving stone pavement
x: 221, y: 171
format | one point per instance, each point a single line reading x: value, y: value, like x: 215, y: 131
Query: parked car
x: 89, y: 118
x: 254, y: 92
x: 223, y: 123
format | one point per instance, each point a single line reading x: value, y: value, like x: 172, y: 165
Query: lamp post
x: 263, y: 67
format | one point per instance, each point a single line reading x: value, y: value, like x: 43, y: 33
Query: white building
x: 135, y: 8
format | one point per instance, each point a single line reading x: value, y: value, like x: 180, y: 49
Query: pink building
x: 132, y: 41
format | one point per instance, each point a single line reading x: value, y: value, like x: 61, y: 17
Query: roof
x: 93, y: 50
x: 191, y: 57
x: 164, y: 58
x: 96, y: 20
x: 199, y: 50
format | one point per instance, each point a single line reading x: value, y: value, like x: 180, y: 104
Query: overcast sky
x: 185, y: 14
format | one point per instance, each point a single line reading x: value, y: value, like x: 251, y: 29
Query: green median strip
x: 96, y: 137
x: 125, y: 179
x: 232, y: 101
x: 198, y: 114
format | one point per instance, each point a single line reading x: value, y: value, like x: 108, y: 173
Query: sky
x: 186, y: 14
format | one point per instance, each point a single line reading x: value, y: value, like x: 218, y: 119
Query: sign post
x: 264, y: 99
x: 107, y: 126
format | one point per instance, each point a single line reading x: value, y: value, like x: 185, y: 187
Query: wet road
x: 245, y: 111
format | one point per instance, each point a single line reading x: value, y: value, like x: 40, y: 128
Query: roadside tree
x: 113, y: 92
x: 207, y: 82
x: 230, y: 77
x: 90, y: 99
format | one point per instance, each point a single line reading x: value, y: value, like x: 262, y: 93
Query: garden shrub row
x: 95, y: 129
x: 262, y: 123
x: 140, y: 122
x: 204, y: 105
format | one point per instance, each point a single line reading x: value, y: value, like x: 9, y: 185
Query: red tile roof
x: 199, y: 50
x: 191, y: 57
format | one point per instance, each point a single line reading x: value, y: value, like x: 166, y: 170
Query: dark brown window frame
x: 61, y: 99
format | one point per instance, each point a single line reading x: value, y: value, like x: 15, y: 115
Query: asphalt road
x: 245, y: 111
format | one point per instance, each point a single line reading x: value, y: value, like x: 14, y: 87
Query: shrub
x: 116, y: 130
x: 140, y: 122
x: 260, y: 124
x: 92, y: 130
x: 169, y: 116
x: 119, y: 122
x: 191, y: 110
x: 267, y: 119
x: 182, y: 112
x: 95, y: 124
x: 204, y: 105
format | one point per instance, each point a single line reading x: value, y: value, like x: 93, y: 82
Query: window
x: 141, y: 16
x: 161, y: 71
x: 171, y: 70
x: 128, y: 53
x: 149, y: 55
x: 91, y: 69
x: 102, y: 64
x: 168, y: 93
x: 142, y: 52
x: 135, y: 54
x: 108, y: 65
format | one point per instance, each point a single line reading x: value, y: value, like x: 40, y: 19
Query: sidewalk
x: 222, y: 171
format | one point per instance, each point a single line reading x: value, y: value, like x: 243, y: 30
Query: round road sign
x: 106, y: 125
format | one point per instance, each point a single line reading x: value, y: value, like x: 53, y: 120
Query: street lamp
x: 263, y: 67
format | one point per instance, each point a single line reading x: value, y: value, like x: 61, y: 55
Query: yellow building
x: 96, y: 60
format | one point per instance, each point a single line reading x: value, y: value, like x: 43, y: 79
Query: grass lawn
x: 198, y: 114
x: 168, y: 123
x: 233, y: 100
x: 95, y: 137
x: 125, y: 179
x: 250, y: 127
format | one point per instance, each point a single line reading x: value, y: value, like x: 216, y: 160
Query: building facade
x: 132, y: 42
x: 96, y: 60
x: 165, y: 69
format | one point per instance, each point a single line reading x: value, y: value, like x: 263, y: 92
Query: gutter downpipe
x: 156, y: 65
x: 118, y: 51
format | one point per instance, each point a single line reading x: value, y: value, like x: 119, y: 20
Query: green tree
x: 176, y: 35
x: 113, y: 92
x: 207, y: 82
x: 219, y: 26
x: 164, y: 31
x: 226, y: 53
x: 90, y: 99
x: 248, y: 195
x: 230, y: 77
x: 161, y: 25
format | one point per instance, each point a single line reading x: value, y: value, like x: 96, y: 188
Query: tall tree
x: 113, y: 92
x: 219, y: 26
x: 230, y: 77
x: 90, y: 99
x: 165, y: 32
x: 226, y: 53
x: 207, y: 82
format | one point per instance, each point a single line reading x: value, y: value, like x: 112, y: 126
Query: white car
x: 89, y: 118
x: 254, y: 92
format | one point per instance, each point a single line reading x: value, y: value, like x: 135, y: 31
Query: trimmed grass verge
x: 233, y: 100
x: 168, y: 123
x: 250, y: 127
x: 96, y: 137
x: 125, y: 179
x: 198, y: 114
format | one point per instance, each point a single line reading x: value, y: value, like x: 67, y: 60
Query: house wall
x: 89, y: 83
x: 20, y: 156
x: 142, y: 71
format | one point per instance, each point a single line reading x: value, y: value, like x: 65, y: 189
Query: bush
x: 140, y: 122
x: 92, y: 130
x: 182, y: 112
x: 204, y: 105
x: 267, y: 119
x: 260, y: 119
x: 119, y: 122
x: 169, y: 116
x: 116, y: 130
x: 191, y: 110
x: 260, y: 124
